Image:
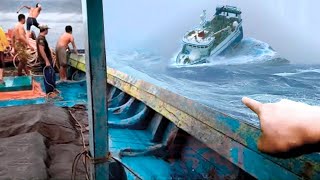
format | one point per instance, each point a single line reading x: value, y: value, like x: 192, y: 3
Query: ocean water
x: 142, y: 41
x: 252, y: 69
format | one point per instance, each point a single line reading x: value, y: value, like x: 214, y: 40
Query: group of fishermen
x: 21, y: 44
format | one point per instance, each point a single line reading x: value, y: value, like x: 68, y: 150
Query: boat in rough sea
x: 212, y: 37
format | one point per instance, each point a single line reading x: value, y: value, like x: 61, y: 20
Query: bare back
x: 34, y: 12
x: 64, y: 40
x: 19, y: 33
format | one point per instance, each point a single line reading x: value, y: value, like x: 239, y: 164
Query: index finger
x: 254, y: 105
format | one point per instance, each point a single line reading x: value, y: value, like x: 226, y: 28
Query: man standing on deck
x: 45, y: 57
x: 61, y: 54
x: 32, y: 18
x: 21, y: 44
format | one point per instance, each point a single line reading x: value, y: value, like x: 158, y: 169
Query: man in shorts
x: 61, y: 48
x: 21, y: 44
x: 45, y: 57
x: 32, y: 18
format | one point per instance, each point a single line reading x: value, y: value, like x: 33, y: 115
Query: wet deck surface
x: 71, y: 94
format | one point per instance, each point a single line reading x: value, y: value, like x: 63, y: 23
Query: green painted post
x: 96, y: 85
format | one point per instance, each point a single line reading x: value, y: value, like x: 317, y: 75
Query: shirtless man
x: 32, y: 18
x: 21, y: 44
x: 61, y: 48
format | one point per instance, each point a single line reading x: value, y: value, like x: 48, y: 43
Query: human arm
x: 74, y: 45
x: 285, y: 125
x: 43, y: 54
x: 23, y: 37
x: 28, y: 7
x: 13, y: 43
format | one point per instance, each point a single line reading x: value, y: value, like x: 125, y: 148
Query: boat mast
x: 96, y: 87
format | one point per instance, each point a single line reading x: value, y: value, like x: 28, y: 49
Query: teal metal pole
x: 96, y: 86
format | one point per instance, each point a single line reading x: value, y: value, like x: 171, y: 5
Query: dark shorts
x: 32, y: 22
x: 49, y: 79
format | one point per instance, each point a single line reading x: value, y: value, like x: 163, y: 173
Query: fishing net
x: 34, y: 136
x: 42, y: 141
x: 52, y: 122
x: 23, y: 157
x: 62, y: 156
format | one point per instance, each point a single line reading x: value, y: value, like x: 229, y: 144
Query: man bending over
x: 61, y: 48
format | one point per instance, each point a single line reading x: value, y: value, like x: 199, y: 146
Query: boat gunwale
x: 243, y: 133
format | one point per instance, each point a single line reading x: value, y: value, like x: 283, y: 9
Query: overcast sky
x: 291, y: 27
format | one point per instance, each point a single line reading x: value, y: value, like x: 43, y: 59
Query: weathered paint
x: 220, y: 132
x: 71, y: 94
x: 214, y: 139
x: 16, y: 83
x: 96, y: 84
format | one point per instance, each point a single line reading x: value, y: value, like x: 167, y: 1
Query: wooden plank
x: 307, y: 166
x: 96, y: 83
x: 246, y: 135
x: 230, y: 149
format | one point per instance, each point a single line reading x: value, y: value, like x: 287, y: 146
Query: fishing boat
x: 211, y: 37
x: 109, y: 124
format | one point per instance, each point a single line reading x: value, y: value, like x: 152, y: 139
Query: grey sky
x: 291, y: 27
